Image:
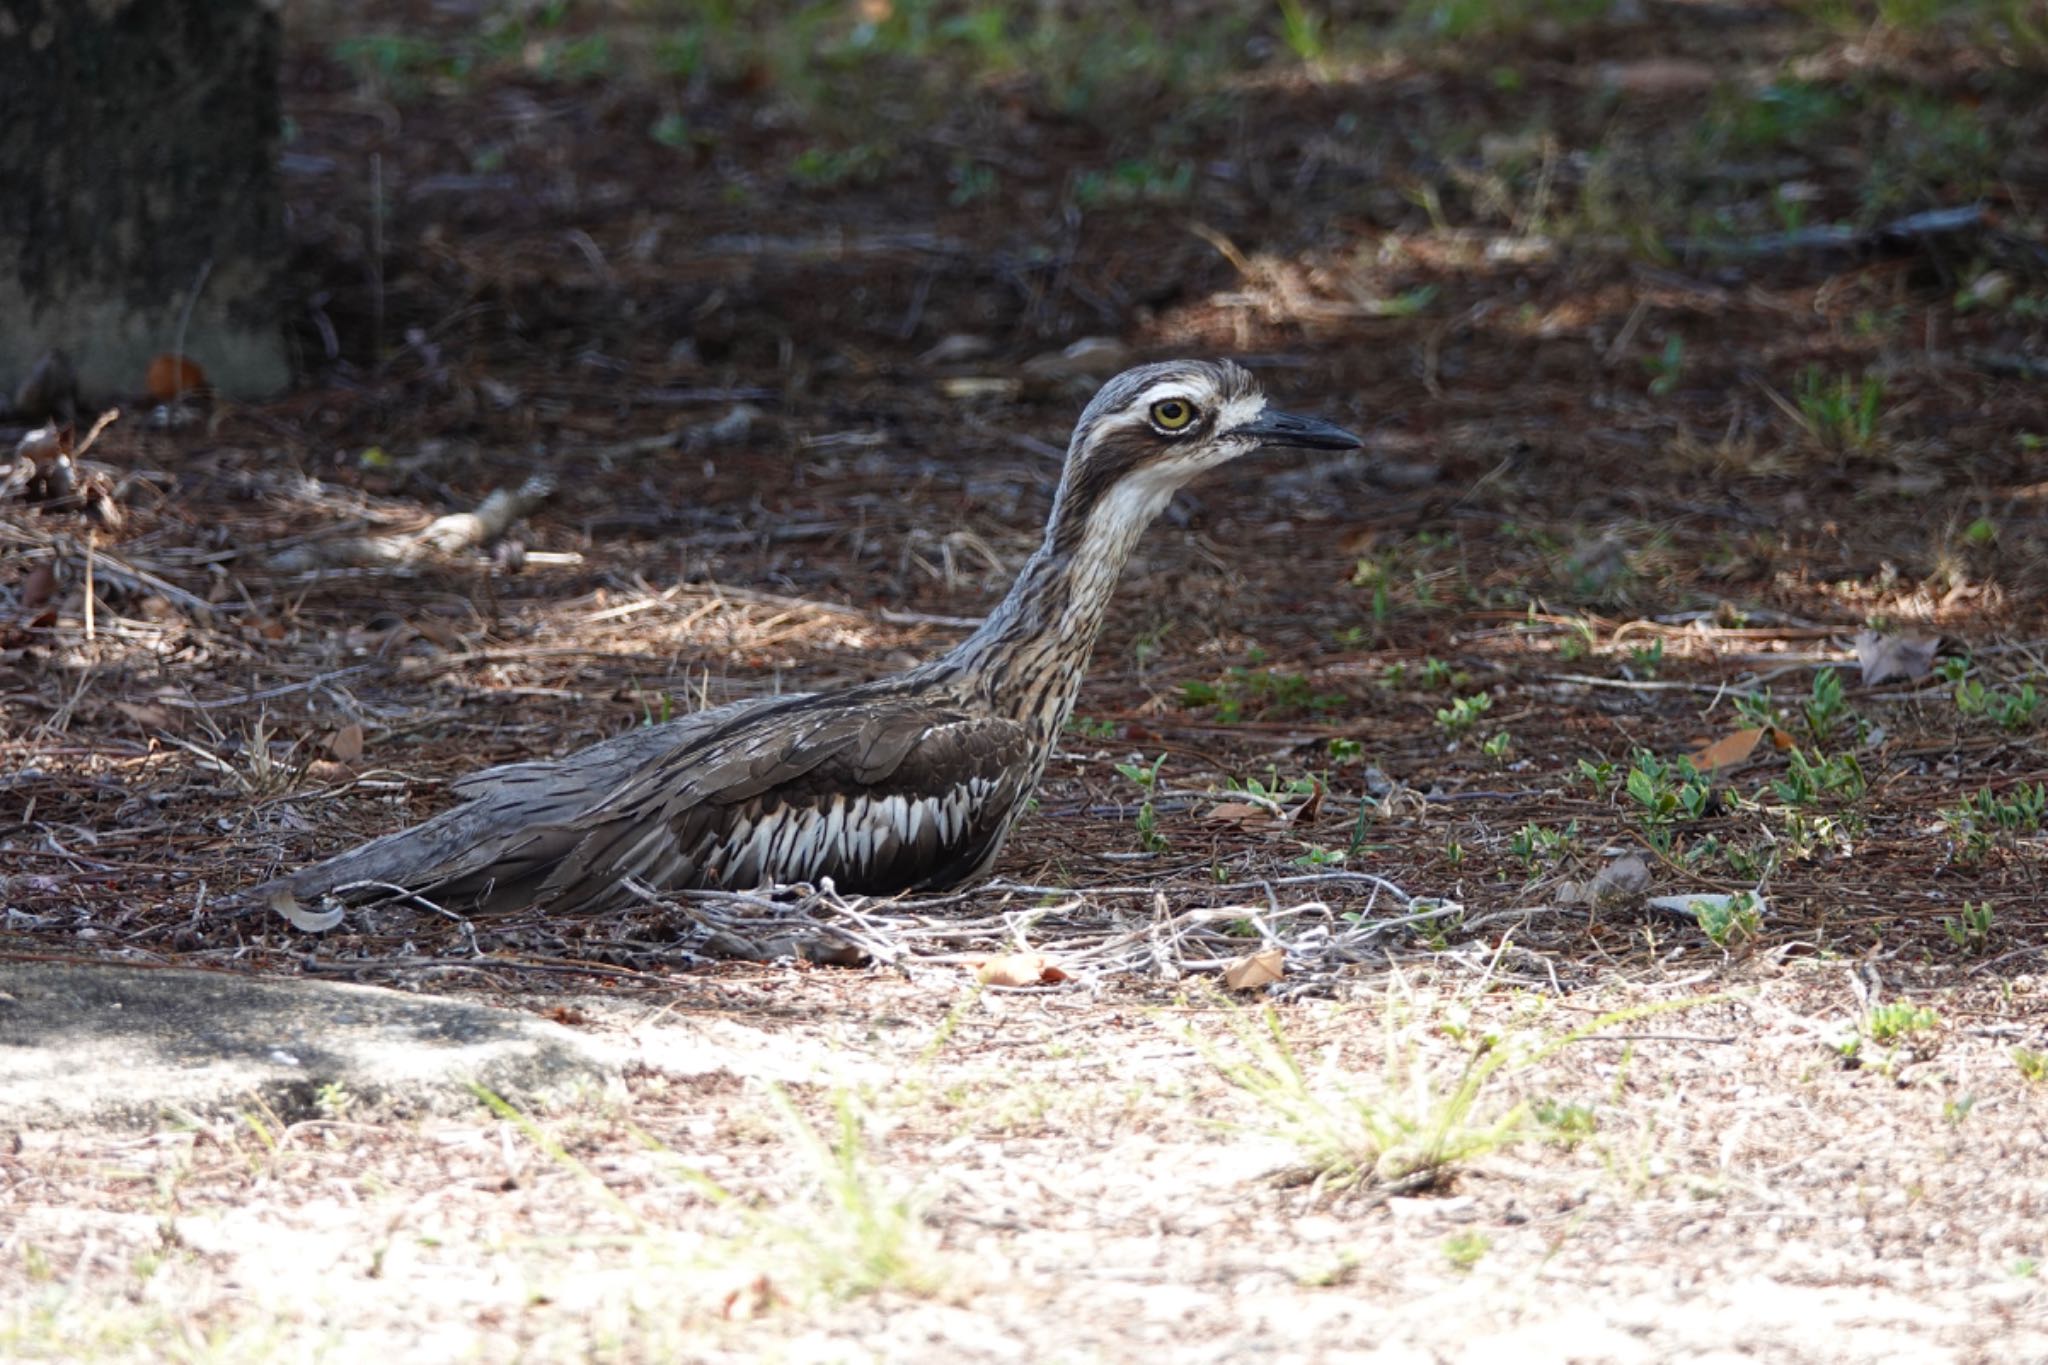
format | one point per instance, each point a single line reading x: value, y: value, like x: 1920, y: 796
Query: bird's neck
x: 1027, y: 658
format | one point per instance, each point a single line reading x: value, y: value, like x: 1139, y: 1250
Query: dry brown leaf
x: 1239, y: 812
x: 38, y: 587
x: 1883, y: 658
x: 144, y: 714
x: 1254, y: 970
x: 1019, y: 969
x: 1729, y: 751
x: 172, y: 376
x: 346, y: 744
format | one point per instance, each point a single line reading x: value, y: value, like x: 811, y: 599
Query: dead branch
x: 451, y: 534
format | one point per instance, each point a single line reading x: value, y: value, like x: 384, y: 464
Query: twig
x: 1900, y: 232
x: 458, y: 531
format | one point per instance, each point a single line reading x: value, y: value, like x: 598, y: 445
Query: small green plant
x: 1729, y: 921
x: 1416, y: 1120
x: 1970, y: 928
x: 1092, y: 728
x: 2033, y: 1066
x: 1810, y: 777
x: 1454, y: 851
x: 1566, y: 1124
x: 671, y: 130
x: 1136, y: 181
x: 1988, y: 819
x: 972, y: 181
x: 1645, y: 660
x: 1147, y: 824
x: 830, y: 168
x: 1667, y: 791
x: 1536, y: 843
x: 1257, y: 693
x: 1301, y: 28
x: 1898, y: 1020
x: 1404, y: 1132
x: 1464, y: 712
x: 1496, y: 747
x: 1758, y: 711
x: 1667, y: 366
x: 1841, y: 414
x: 1346, y: 750
x: 1972, y: 698
x: 1315, y: 856
x: 2014, y: 711
x: 1464, y: 1250
x: 1597, y: 774
x: 1579, y: 641
x: 1825, y: 708
x: 1438, y: 675
x: 2011, y: 710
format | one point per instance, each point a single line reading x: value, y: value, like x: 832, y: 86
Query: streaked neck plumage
x: 1027, y: 658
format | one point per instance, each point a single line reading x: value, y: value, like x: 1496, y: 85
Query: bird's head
x: 1152, y: 428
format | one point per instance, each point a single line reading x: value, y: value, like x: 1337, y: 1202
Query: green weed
x: 1970, y: 928
x: 1147, y: 824
x: 1463, y: 713
x: 1890, y: 1023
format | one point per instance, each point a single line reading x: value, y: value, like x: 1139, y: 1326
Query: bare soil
x: 1646, y: 451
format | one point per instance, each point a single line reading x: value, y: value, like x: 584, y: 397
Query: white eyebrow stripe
x: 1167, y: 388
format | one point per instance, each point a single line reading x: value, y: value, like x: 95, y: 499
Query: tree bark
x: 138, y: 180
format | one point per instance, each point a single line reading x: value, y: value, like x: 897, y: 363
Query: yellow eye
x: 1172, y: 414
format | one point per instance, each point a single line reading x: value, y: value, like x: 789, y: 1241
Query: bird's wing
x: 884, y: 796
x: 508, y: 814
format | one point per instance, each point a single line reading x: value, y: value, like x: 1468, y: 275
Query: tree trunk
x: 138, y: 167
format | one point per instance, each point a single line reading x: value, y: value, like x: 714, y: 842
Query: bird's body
x: 905, y: 783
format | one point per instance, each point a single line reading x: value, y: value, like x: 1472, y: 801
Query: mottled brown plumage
x: 906, y: 783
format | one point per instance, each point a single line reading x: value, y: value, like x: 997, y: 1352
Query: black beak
x: 1303, y: 433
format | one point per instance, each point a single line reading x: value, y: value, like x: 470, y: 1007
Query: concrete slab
x: 126, y: 1046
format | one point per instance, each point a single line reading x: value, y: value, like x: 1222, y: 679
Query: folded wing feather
x: 886, y: 796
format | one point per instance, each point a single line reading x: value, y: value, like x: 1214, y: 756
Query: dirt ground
x: 1668, y: 397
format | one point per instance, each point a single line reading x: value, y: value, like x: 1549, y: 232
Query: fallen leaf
x: 38, y: 587
x: 1019, y: 969
x: 1239, y: 812
x: 1729, y: 751
x: 346, y: 744
x: 1254, y: 970
x: 171, y: 376
x: 1882, y: 658
x: 1309, y: 809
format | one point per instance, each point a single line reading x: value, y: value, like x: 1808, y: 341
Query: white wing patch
x: 846, y: 838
